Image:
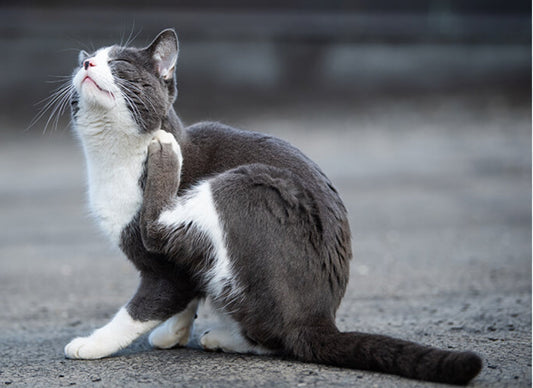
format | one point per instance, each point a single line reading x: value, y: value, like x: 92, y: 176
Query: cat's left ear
x: 164, y: 51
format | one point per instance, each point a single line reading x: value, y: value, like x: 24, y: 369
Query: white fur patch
x: 198, y: 207
x: 121, y: 331
x: 114, y: 166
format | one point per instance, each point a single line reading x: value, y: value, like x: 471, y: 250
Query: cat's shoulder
x: 219, y: 134
x: 220, y: 131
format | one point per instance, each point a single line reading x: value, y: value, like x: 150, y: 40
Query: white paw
x: 210, y: 341
x: 162, y: 338
x: 165, y: 137
x: 229, y: 342
x: 87, y: 348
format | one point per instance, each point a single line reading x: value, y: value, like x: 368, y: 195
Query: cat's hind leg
x: 162, y: 182
x: 176, y: 330
x: 228, y: 341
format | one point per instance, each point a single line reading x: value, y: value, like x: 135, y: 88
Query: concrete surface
x: 439, y: 195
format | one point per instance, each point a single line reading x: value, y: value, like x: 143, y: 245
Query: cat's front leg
x: 156, y: 300
x: 163, y: 168
x: 120, y: 332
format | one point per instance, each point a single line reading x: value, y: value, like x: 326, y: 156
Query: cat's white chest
x: 115, y: 164
x: 115, y: 195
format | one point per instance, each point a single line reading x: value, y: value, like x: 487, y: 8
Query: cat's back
x: 213, y: 148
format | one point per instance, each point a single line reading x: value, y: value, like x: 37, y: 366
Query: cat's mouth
x: 88, y: 80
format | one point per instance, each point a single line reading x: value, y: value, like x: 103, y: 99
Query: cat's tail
x: 326, y: 345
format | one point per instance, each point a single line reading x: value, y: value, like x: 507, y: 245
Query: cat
x: 210, y: 211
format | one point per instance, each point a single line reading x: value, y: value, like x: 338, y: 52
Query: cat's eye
x: 120, y: 60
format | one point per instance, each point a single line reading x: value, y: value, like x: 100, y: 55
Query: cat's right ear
x: 164, y: 52
x: 82, y: 56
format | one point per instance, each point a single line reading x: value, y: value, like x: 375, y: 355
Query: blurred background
x: 419, y: 111
x: 248, y: 57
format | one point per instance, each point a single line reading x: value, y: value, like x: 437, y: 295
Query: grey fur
x: 285, y: 226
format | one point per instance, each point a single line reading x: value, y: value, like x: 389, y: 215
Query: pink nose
x: 87, y: 63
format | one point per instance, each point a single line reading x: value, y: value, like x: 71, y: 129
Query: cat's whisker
x: 137, y: 94
x: 135, y: 111
x: 61, y: 108
x: 55, y: 104
x: 131, y: 37
x: 131, y: 103
x: 60, y: 78
x: 140, y: 92
x: 58, y: 109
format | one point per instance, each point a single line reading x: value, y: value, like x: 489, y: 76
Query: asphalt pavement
x: 438, y: 191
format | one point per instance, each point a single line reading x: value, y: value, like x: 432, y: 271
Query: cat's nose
x: 87, y: 63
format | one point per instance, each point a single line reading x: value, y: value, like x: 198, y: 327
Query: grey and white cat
x: 209, y: 211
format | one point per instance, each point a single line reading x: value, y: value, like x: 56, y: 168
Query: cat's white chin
x: 88, y: 82
x: 93, y: 96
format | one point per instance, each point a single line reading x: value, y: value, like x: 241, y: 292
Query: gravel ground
x: 439, y: 195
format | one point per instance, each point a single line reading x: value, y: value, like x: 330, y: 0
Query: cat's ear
x: 83, y: 55
x: 164, y: 51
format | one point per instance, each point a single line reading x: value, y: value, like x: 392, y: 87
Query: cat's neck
x: 115, y: 154
x: 112, y: 138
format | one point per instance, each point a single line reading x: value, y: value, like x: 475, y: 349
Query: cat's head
x: 137, y: 82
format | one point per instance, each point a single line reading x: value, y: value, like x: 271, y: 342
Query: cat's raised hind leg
x: 162, y: 183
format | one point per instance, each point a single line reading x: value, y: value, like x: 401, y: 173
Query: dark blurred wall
x: 245, y: 55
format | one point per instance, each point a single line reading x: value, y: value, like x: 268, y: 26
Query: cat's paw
x: 163, y: 137
x: 176, y: 330
x: 163, y: 143
x: 87, y: 348
x: 162, y: 338
x: 229, y: 341
x: 222, y: 340
x: 209, y: 340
